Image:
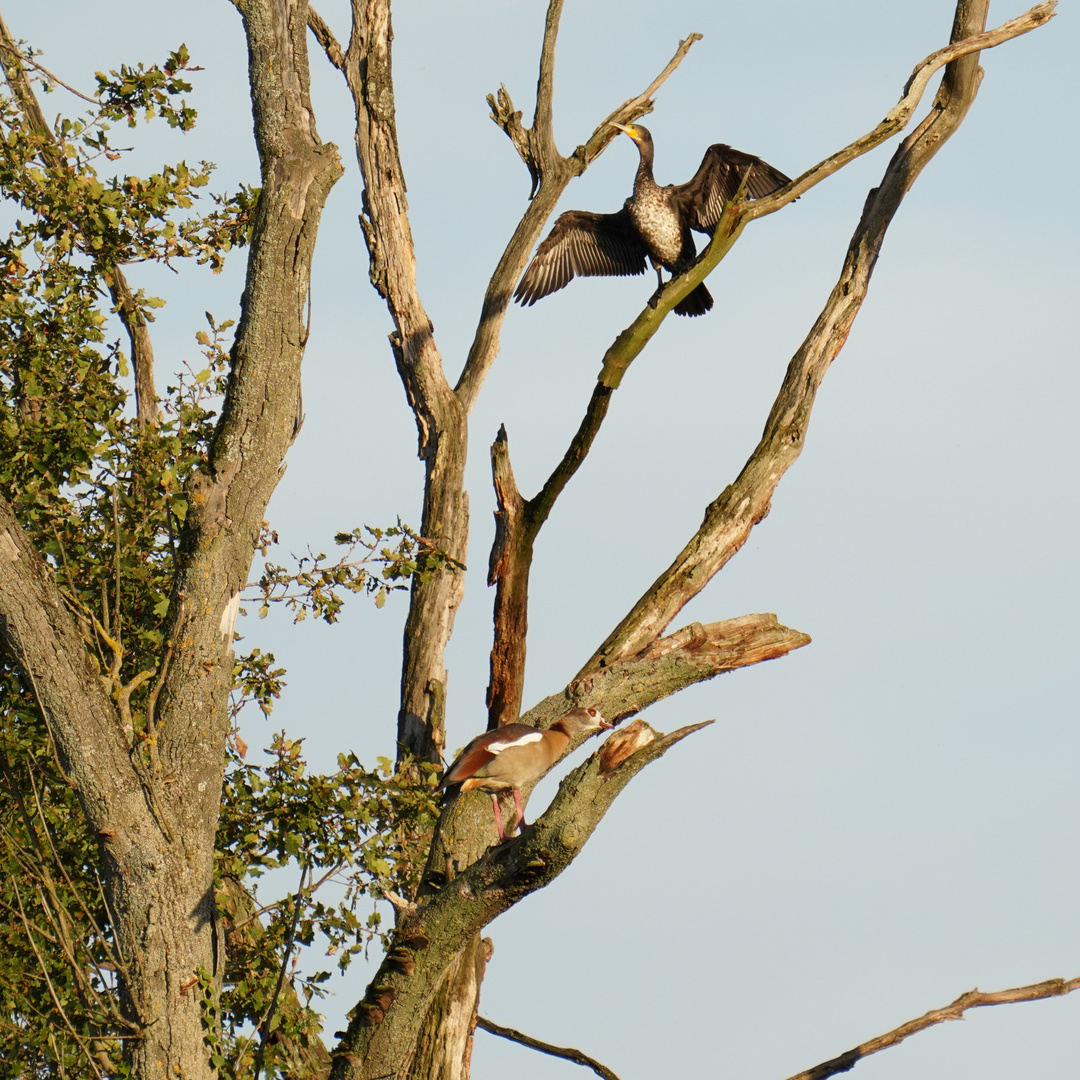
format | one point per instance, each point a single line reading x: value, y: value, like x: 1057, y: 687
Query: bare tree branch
x: 973, y: 999
x: 517, y: 525
x: 465, y: 884
x: 511, y: 556
x: 545, y: 1048
x: 508, y: 571
x: 543, y: 117
x: 243, y: 925
x: 899, y: 115
x: 326, y: 39
x: 731, y: 517
x: 440, y: 420
x: 441, y: 412
x: 694, y: 654
x: 6, y: 44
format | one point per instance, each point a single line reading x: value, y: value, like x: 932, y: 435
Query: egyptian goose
x: 514, y: 755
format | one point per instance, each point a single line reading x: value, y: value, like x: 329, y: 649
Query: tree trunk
x: 444, y: 1045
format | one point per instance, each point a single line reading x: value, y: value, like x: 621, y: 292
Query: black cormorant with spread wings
x: 655, y: 222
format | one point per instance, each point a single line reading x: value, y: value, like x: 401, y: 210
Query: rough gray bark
x: 155, y: 816
x: 142, y: 348
x: 444, y: 1041
x: 440, y: 419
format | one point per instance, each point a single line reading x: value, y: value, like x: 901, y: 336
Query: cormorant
x: 655, y: 221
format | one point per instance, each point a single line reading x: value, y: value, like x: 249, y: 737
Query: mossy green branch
x: 637, y: 335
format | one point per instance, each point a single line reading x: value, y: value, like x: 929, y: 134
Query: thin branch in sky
x: 569, y: 1053
x: 973, y: 999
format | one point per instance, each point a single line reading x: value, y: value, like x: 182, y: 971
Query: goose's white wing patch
x: 524, y: 740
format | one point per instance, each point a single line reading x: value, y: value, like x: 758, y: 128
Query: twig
x: 142, y: 349
x: 546, y: 1048
x: 899, y: 115
x: 277, y: 903
x: 634, y: 107
x: 48, y: 982
x: 6, y: 43
x: 973, y: 999
x: 264, y: 1026
x: 108, y: 1001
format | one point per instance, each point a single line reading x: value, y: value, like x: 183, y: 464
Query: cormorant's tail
x: 697, y: 303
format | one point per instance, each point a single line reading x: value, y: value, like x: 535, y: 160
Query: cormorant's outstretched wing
x: 582, y: 244
x: 719, y: 175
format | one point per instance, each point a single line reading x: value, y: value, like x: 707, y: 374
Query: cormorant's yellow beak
x: 631, y: 131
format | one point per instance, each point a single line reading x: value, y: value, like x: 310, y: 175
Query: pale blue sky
x: 888, y: 817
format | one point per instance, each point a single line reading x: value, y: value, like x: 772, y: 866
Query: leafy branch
x: 317, y: 587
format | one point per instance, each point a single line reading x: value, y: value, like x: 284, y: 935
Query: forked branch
x: 696, y: 653
x: 518, y: 531
x: 518, y: 523
x: 428, y: 939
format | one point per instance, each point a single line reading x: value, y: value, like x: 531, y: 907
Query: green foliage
x: 211, y: 1018
x: 317, y: 587
x: 123, y: 94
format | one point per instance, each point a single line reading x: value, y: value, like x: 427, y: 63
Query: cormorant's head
x: 639, y: 134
